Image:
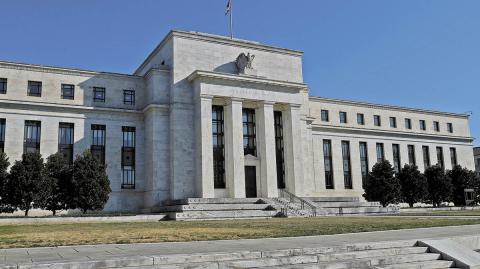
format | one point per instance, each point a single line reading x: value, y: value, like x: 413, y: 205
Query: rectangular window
x: 2, y: 135
x: 31, y: 141
x: 99, y: 94
x: 3, y: 85
x: 65, y: 141
x: 324, y: 115
x: 327, y: 161
x: 377, y: 120
x: 408, y: 123
x: 426, y: 156
x: 396, y: 157
x: 128, y: 157
x: 450, y: 127
x: 343, y: 117
x: 393, y: 122
x: 360, y: 119
x: 347, y: 171
x: 279, y: 149
x: 411, y: 155
x: 249, y: 134
x: 218, y: 139
x: 364, y: 161
x: 440, y: 160
x: 98, y: 142
x: 34, y: 88
x: 68, y: 91
x: 453, y: 156
x: 423, y: 125
x: 380, y: 153
x: 436, y: 126
x: 129, y: 97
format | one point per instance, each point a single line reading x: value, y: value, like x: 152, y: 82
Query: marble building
x: 206, y: 116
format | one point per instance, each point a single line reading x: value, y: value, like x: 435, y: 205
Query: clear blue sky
x: 412, y: 53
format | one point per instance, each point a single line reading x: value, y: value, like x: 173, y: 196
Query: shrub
x: 4, y: 164
x: 381, y: 184
x: 414, y: 185
x: 90, y: 183
x: 439, y: 185
x: 461, y: 178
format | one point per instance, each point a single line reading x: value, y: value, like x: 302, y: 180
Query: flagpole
x: 231, y: 19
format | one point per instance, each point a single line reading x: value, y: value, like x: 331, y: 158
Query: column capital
x: 206, y: 96
x: 236, y: 99
x: 268, y: 103
x: 294, y: 106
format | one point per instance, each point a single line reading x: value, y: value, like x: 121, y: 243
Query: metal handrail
x: 294, y: 199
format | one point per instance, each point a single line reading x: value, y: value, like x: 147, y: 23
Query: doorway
x: 250, y: 181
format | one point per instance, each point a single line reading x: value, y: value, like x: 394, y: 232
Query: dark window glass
x: 65, y: 141
x: 436, y: 126
x: 347, y: 171
x: 364, y: 161
x: 324, y: 115
x: 453, y: 156
x: 128, y: 157
x: 380, y: 152
x: 129, y: 97
x: 32, y: 136
x: 2, y: 135
x: 99, y: 94
x: 423, y: 126
x: 360, y: 119
x: 411, y: 155
x: 3, y: 85
x: 377, y: 120
x: 408, y: 123
x: 440, y: 160
x: 396, y: 157
x: 218, y: 140
x: 343, y: 117
x: 327, y: 160
x: 393, y: 122
x: 450, y: 127
x: 98, y: 142
x: 68, y: 91
x: 426, y: 156
x: 34, y: 88
x: 249, y: 136
x: 279, y: 149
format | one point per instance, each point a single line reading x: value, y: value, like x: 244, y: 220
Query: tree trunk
x: 54, y: 212
x: 84, y: 211
x: 26, y: 212
x: 410, y: 204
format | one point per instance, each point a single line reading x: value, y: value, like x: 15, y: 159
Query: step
x: 333, y: 199
x: 347, y: 204
x: 372, y: 253
x: 214, y: 201
x: 203, y: 215
x: 212, y: 207
x: 359, y: 210
x: 437, y: 264
x: 269, y: 262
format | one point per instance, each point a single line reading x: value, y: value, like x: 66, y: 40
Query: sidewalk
x: 65, y: 254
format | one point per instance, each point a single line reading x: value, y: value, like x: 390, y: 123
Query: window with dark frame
x: 68, y: 91
x: 99, y: 94
x: 426, y: 156
x: 327, y: 161
x: 65, y: 141
x: 440, y: 160
x: 129, y: 97
x: 343, y: 117
x: 408, y: 123
x: 31, y: 143
x: 453, y: 157
x: 360, y: 119
x: 396, y: 157
x: 423, y: 125
x: 380, y: 153
x: 436, y: 126
x: 364, y: 161
x: 98, y: 142
x: 411, y: 155
x: 347, y: 169
x: 393, y: 122
x: 218, y: 141
x: 249, y: 133
x: 3, y: 85
x: 324, y: 115
x: 128, y: 157
x: 34, y: 88
x: 450, y: 127
x: 2, y: 135
x: 377, y: 121
x: 279, y: 149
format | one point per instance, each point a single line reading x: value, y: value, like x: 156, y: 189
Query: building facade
x: 207, y: 116
x: 476, y: 155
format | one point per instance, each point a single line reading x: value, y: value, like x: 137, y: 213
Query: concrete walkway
x: 121, y: 251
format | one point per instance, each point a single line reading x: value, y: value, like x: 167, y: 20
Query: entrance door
x: 250, y: 181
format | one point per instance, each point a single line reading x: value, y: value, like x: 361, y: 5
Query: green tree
x: 414, y: 185
x: 4, y: 164
x: 381, y: 185
x: 90, y: 183
x: 22, y: 186
x: 439, y: 185
x: 461, y: 178
x: 56, y: 189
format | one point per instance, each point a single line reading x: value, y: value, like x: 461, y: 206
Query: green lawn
x: 49, y: 234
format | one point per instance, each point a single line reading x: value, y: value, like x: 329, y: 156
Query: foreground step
x: 419, y: 265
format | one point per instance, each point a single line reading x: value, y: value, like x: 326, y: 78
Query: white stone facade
x: 175, y: 89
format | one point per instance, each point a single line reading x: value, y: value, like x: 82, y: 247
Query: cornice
x: 386, y: 107
x: 161, y: 107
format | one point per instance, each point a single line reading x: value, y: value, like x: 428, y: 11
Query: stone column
x: 204, y: 159
x: 234, y: 158
x: 266, y: 150
x: 293, y: 150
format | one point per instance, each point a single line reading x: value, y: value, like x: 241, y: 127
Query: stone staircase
x: 349, y: 206
x: 386, y: 255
